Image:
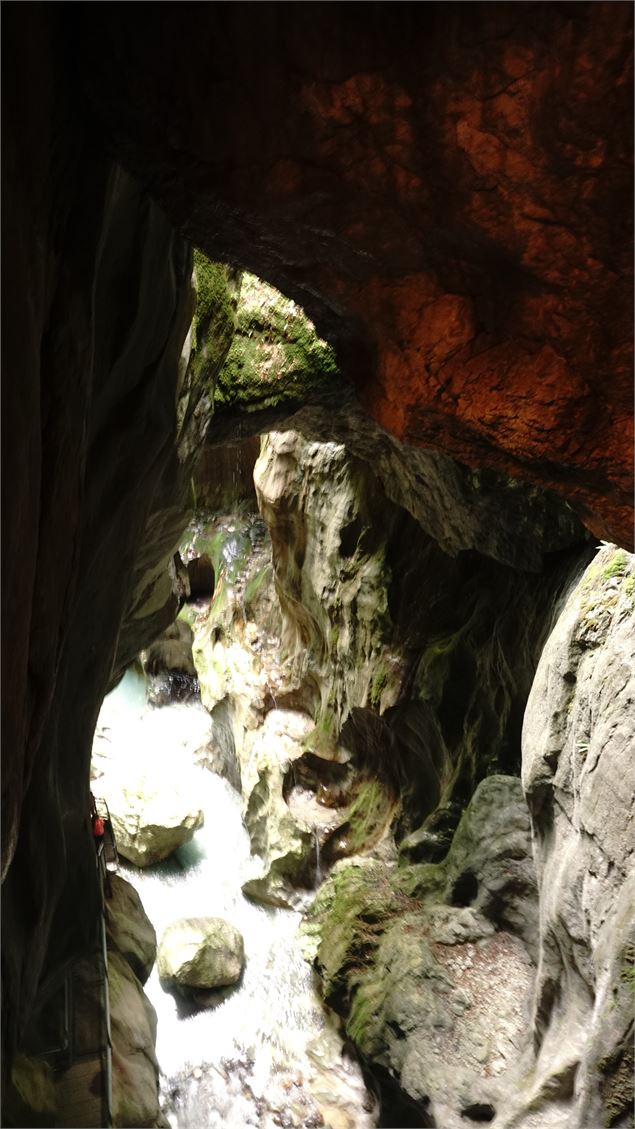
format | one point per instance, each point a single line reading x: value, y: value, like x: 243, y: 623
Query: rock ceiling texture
x: 446, y: 188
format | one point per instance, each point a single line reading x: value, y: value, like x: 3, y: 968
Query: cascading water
x: 262, y: 1054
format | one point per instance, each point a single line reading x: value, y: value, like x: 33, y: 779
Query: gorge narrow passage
x: 263, y: 1053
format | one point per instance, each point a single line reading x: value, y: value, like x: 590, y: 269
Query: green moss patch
x: 616, y: 566
x: 367, y: 815
x: 276, y: 355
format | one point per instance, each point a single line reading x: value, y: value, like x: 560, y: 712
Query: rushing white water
x: 263, y: 1053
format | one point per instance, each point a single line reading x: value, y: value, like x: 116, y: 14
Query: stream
x: 263, y: 1053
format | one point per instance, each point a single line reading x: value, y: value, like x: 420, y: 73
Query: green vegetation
x: 324, y: 736
x: 255, y: 584
x: 616, y: 1085
x: 276, y: 355
x: 367, y: 815
x: 378, y: 685
x: 212, y: 331
x: 366, y: 1025
x: 616, y: 566
x: 351, y: 913
x: 627, y: 972
x: 215, y: 301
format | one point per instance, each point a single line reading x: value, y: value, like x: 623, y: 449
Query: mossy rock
x: 211, y: 335
x: 353, y: 908
x: 276, y: 356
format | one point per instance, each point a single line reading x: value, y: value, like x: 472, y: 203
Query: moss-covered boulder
x: 211, y: 333
x: 579, y: 776
x: 276, y: 356
x: 129, y: 929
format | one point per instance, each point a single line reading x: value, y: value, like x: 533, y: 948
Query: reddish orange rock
x: 446, y: 188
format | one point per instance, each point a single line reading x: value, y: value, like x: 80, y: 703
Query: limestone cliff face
x: 446, y: 189
x: 152, y: 602
x: 579, y: 779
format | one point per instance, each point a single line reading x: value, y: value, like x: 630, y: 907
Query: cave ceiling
x: 445, y: 188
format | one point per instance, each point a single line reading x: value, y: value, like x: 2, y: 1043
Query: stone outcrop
x: 168, y: 664
x: 279, y: 376
x: 286, y: 848
x: 88, y: 423
x: 66, y: 1081
x: 99, y: 455
x: 135, y: 1080
x: 448, y: 197
x: 172, y: 651
x: 459, y: 508
x: 275, y: 357
x: 201, y: 952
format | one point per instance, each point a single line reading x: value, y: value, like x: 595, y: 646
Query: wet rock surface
x: 448, y: 200
x: 426, y: 659
x: 286, y: 846
x: 276, y: 1057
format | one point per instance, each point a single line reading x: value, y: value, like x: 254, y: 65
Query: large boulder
x: 135, y: 1071
x: 152, y: 815
x: 201, y: 952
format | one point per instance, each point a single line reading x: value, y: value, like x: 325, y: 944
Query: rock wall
x: 448, y: 194
x: 45, y: 1088
x: 95, y: 483
x: 445, y: 189
x: 440, y: 651
x: 579, y: 779
x: 497, y: 984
